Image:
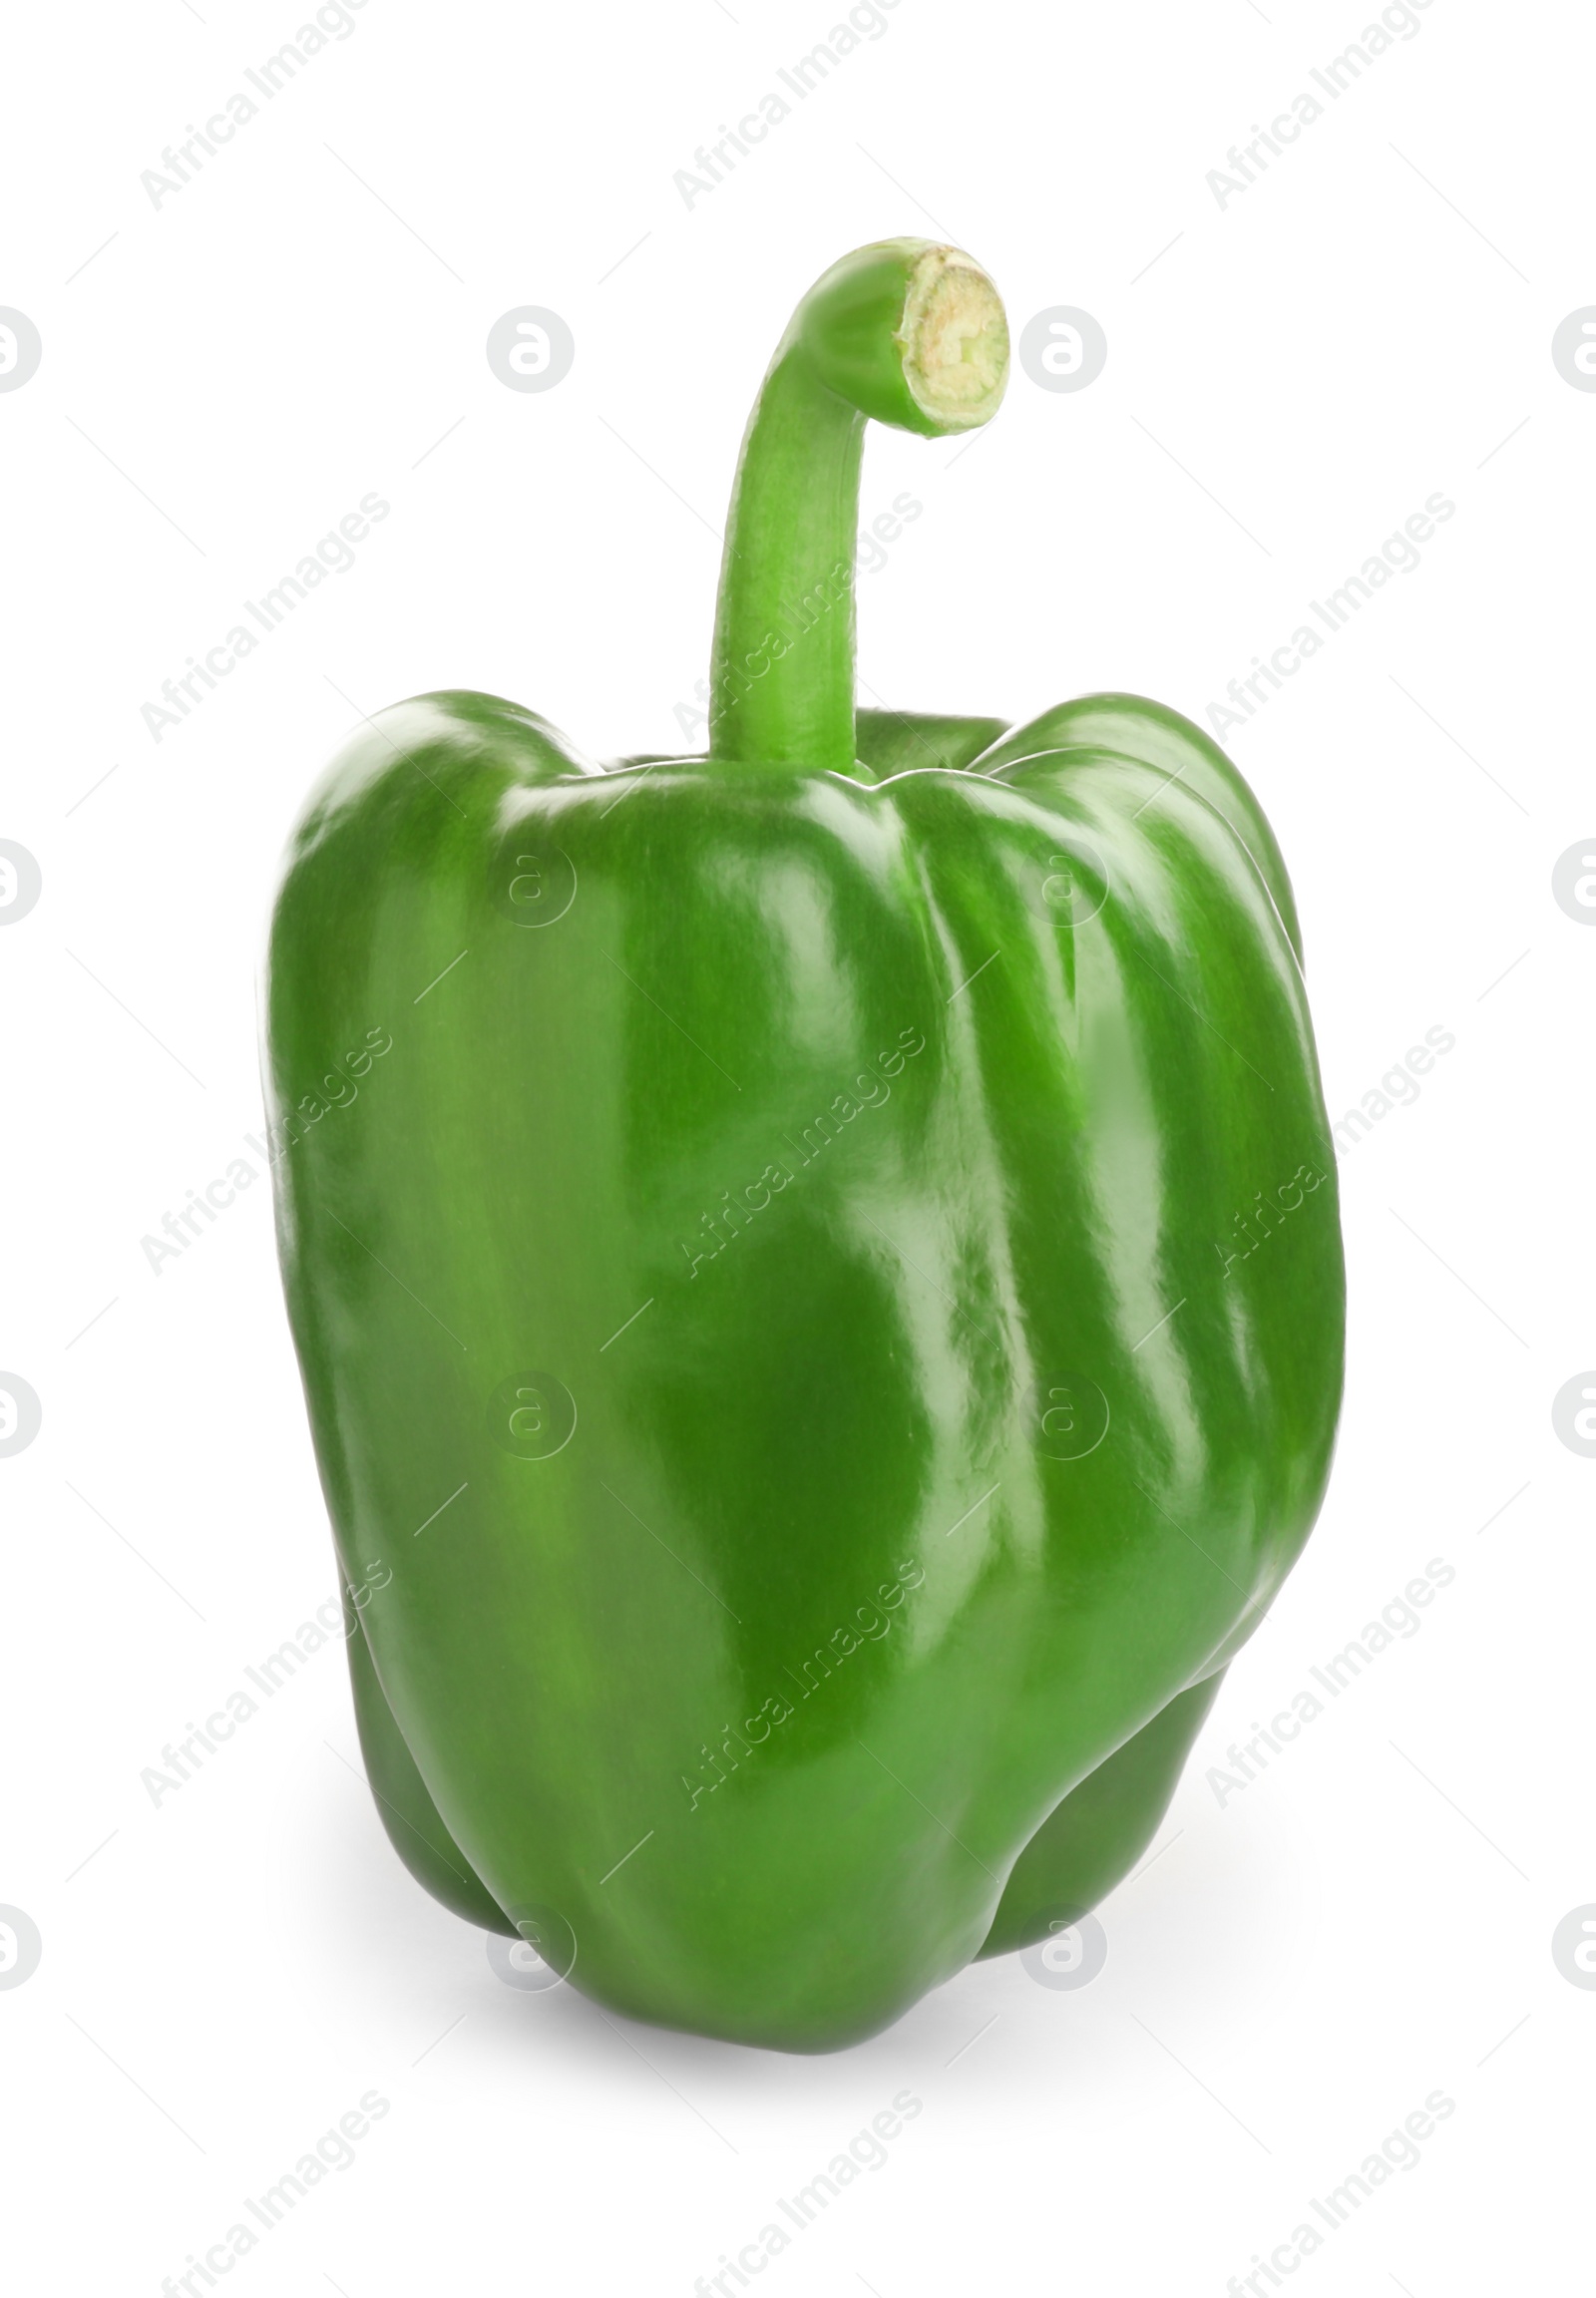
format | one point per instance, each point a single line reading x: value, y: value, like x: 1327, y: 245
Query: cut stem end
x: 953, y: 340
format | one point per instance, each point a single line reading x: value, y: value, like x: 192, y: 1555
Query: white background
x: 1288, y: 377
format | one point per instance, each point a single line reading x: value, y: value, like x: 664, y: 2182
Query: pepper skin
x: 816, y: 1270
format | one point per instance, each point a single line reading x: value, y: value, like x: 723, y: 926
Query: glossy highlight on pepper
x: 827, y: 1323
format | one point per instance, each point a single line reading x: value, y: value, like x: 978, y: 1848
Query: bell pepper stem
x: 907, y: 332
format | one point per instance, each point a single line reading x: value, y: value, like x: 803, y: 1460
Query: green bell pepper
x: 823, y: 1331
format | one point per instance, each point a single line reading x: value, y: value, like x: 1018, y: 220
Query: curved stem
x: 908, y: 333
